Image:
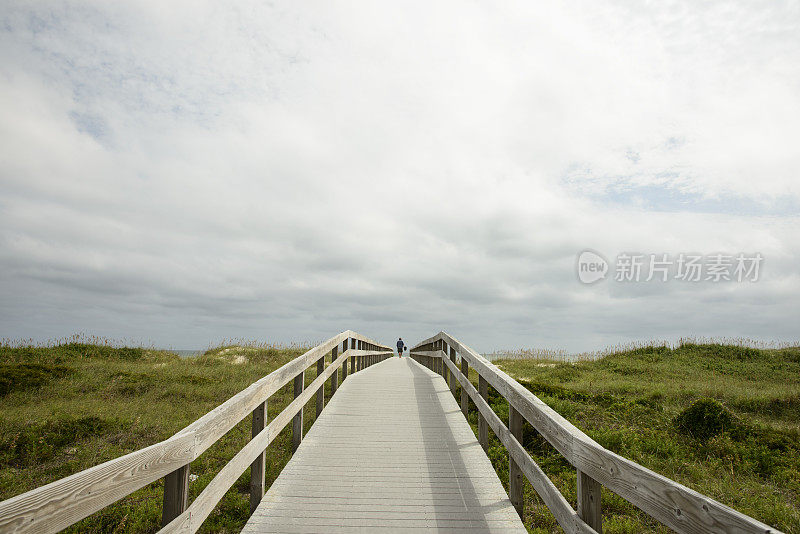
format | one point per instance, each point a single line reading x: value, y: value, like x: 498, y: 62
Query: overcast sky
x: 178, y: 173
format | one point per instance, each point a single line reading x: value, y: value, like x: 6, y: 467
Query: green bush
x: 24, y: 376
x: 704, y: 419
x: 33, y: 444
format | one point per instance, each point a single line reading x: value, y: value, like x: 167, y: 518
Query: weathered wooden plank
x: 675, y: 505
x: 197, y: 512
x: 61, y: 503
x: 388, y: 468
x: 550, y: 424
x: 257, y: 468
x: 566, y: 517
x: 669, y: 502
x: 221, y: 419
x: 589, y: 501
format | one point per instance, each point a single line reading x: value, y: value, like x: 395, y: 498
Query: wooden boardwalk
x: 391, y: 452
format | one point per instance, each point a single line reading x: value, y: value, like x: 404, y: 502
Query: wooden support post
x: 176, y: 494
x: 335, y: 375
x: 453, y: 379
x: 353, y: 359
x: 464, y: 394
x: 321, y: 390
x: 483, y: 427
x: 257, y: 467
x: 589, y: 497
x: 297, y: 422
x: 514, y: 472
x: 443, y: 348
x: 344, y: 366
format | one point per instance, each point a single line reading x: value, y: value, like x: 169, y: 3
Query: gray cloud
x: 185, y: 173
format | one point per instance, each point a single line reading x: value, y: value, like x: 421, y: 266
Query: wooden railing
x: 674, y: 505
x: 62, y: 503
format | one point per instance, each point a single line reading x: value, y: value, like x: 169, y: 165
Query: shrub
x: 33, y: 444
x: 704, y: 419
x: 24, y: 376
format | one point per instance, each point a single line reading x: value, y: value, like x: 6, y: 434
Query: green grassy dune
x: 66, y: 408
x: 722, y: 420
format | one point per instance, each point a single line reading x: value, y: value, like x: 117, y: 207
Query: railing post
x: 483, y: 427
x: 453, y: 379
x: 321, y: 390
x: 514, y: 472
x: 176, y: 494
x: 335, y: 375
x: 445, y: 370
x: 464, y: 394
x: 441, y: 361
x: 344, y: 365
x: 589, y: 500
x: 257, y: 467
x: 352, y: 358
x: 297, y: 422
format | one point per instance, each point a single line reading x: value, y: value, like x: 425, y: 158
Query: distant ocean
x: 186, y: 353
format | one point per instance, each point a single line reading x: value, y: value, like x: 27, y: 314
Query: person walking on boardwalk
x: 400, y: 347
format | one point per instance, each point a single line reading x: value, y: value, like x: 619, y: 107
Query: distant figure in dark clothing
x: 400, y: 347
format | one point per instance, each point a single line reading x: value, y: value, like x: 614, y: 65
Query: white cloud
x: 193, y: 171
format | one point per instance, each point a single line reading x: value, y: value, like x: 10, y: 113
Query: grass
x: 723, y: 420
x: 68, y: 407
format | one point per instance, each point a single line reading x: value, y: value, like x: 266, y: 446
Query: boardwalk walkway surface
x: 390, y: 453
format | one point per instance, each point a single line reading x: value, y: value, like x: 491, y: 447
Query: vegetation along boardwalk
x: 392, y: 451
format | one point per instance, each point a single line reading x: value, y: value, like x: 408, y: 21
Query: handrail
x: 671, y: 503
x: 57, y: 505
